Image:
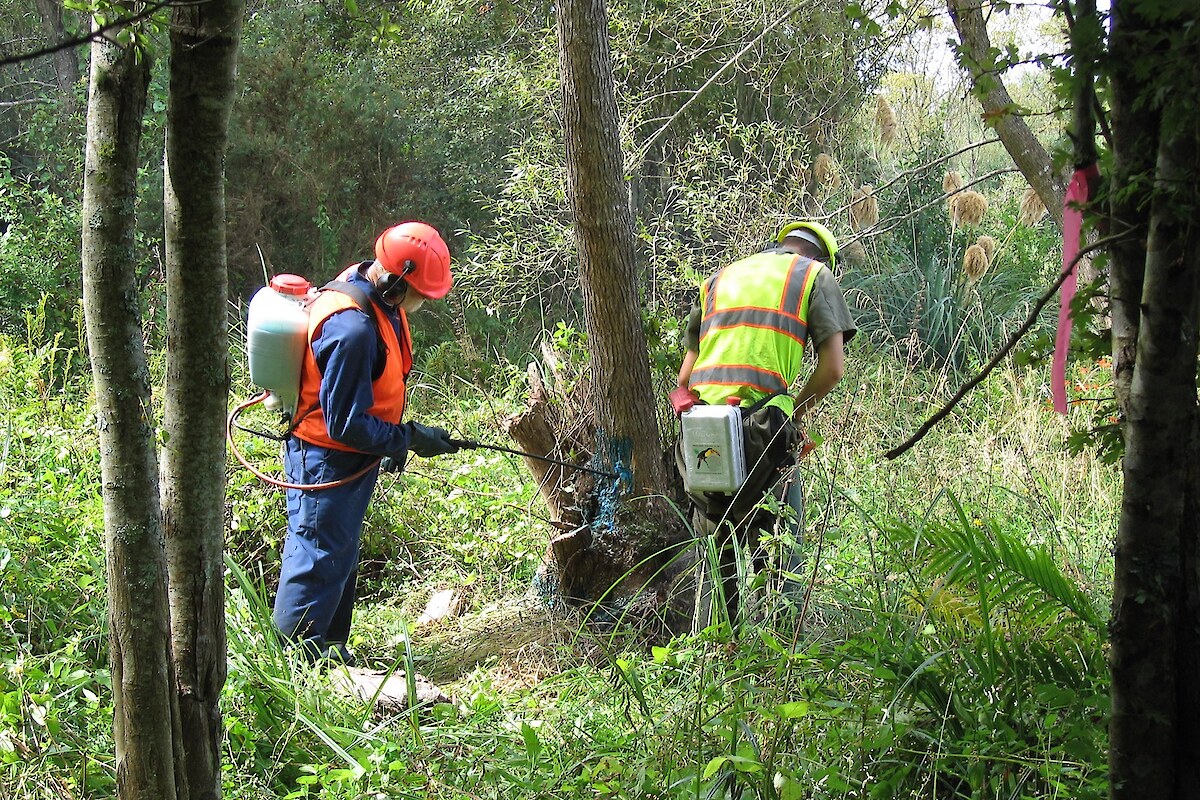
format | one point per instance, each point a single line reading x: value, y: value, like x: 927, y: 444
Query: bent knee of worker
x: 306, y: 604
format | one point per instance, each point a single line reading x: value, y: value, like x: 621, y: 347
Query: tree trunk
x: 625, y: 408
x: 66, y: 65
x: 204, y: 41
x: 1152, y: 636
x: 1155, y: 639
x: 144, y: 713
x: 998, y: 108
x: 1136, y: 127
x: 603, y: 227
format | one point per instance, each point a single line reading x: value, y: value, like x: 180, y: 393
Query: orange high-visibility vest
x: 753, y: 329
x: 388, y: 389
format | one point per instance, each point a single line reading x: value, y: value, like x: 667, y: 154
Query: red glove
x: 807, y: 445
x: 683, y: 398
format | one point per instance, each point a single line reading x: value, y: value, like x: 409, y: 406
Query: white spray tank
x: 276, y: 335
x: 712, y: 445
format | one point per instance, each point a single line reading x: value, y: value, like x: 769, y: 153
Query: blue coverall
x: 320, y: 555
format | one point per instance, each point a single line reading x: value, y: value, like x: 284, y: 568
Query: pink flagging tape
x: 1077, y: 196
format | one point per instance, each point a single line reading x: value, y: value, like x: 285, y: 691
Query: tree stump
x: 607, y: 552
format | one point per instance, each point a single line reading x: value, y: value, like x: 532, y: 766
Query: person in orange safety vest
x: 349, y: 422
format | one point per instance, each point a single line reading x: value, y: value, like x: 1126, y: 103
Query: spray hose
x: 231, y: 423
x: 469, y: 445
x: 464, y: 444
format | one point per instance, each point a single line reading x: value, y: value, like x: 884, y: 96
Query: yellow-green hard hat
x: 813, y: 232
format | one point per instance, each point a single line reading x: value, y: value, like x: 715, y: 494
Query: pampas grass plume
x: 988, y: 244
x: 1032, y: 208
x: 968, y: 208
x: 975, y: 262
x: 885, y: 120
x: 952, y: 182
x: 852, y: 253
x: 864, y: 208
x: 826, y: 171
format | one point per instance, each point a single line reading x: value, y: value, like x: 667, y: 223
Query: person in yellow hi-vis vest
x: 746, y: 340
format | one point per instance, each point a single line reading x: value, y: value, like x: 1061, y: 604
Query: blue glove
x: 390, y: 464
x: 427, y: 442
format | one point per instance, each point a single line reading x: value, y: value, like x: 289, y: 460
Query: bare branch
x: 27, y: 102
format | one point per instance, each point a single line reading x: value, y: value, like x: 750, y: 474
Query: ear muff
x: 392, y: 287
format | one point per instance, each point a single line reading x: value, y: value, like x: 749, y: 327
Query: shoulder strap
x: 355, y: 293
x: 764, y: 401
x: 363, y: 301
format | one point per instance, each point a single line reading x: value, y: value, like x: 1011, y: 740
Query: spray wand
x: 466, y: 444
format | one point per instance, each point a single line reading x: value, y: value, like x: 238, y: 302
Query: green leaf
x: 714, y: 766
x: 793, y: 710
x: 745, y: 764
x: 533, y: 746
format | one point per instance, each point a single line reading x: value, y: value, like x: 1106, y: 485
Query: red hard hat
x: 416, y: 252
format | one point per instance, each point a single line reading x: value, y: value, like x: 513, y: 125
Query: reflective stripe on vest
x: 388, y: 390
x: 754, y: 327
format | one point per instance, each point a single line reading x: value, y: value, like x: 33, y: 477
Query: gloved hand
x: 428, y: 441
x: 807, y: 445
x: 683, y: 398
x: 389, y: 464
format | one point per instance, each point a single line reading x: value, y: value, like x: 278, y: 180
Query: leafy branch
x: 98, y: 32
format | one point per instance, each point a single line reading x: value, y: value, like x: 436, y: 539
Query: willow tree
x: 598, y: 553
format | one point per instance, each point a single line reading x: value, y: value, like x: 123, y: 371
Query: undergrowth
x: 950, y: 645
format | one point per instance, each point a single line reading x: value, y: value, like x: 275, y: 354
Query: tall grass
x: 950, y: 646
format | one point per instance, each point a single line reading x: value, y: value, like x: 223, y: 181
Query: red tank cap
x: 290, y: 284
x: 733, y: 400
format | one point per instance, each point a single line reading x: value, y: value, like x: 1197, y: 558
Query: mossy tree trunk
x: 145, y: 714
x: 1154, y: 200
x: 204, y: 43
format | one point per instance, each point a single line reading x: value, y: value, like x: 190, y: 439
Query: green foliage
x: 55, y: 704
x: 943, y: 646
x: 919, y: 304
x: 946, y: 650
x: 39, y: 254
x: 337, y: 134
x: 1003, y: 654
x: 709, y: 187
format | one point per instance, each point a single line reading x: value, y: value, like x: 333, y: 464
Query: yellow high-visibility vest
x: 753, y: 329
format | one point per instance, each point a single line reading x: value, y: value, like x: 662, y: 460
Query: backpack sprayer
x: 712, y: 445
x: 276, y: 338
x: 713, y: 442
